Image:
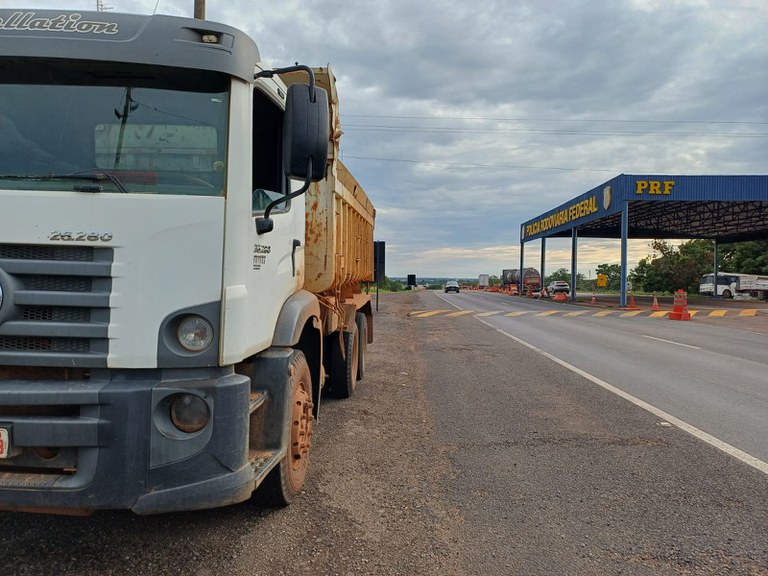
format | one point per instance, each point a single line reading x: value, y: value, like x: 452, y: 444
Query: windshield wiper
x: 93, y: 174
x: 97, y: 174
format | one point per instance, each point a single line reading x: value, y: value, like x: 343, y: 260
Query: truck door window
x: 268, y: 181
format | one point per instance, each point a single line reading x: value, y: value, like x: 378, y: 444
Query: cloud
x: 461, y: 122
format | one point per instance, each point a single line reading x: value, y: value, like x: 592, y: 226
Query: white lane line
x: 671, y: 342
x: 692, y: 430
x: 436, y: 293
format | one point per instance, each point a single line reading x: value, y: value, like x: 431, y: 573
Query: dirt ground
x: 368, y: 507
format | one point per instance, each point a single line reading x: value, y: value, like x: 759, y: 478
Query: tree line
x: 669, y: 268
x: 681, y: 267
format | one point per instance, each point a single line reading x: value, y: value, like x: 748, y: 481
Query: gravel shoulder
x: 368, y: 508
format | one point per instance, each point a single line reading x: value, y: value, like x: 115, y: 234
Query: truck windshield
x: 116, y: 127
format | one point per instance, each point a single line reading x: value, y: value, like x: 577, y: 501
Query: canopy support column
x: 714, y: 278
x: 624, y: 234
x: 522, y: 259
x: 574, y: 252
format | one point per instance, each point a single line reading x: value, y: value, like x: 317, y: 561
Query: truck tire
x: 362, y: 334
x: 344, y: 363
x: 285, y: 481
x: 727, y: 294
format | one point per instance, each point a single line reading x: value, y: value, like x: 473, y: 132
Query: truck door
x: 278, y: 256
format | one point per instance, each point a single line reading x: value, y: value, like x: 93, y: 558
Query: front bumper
x: 106, y: 442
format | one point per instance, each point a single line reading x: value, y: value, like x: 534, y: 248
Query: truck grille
x: 55, y: 306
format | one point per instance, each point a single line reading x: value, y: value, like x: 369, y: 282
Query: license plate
x: 5, y: 443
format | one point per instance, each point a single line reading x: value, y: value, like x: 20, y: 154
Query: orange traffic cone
x: 631, y: 304
x: 680, y: 307
x: 593, y: 299
x: 655, y: 307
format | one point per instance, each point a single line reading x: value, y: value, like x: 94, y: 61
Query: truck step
x: 257, y: 399
x: 263, y: 462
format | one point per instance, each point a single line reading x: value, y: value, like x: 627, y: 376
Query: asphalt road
x: 711, y: 377
x: 561, y: 476
x: 463, y: 452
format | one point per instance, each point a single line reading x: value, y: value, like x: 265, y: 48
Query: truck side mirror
x: 305, y: 133
x: 305, y: 137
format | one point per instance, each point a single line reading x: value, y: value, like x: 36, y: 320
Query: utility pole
x: 200, y: 9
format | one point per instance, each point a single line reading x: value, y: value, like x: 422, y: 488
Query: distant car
x: 451, y: 286
x: 558, y: 286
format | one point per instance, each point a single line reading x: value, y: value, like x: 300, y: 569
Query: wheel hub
x: 302, y: 424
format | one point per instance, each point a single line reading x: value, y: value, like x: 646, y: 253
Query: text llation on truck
x: 181, y: 260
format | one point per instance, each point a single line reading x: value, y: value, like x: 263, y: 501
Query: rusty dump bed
x: 339, y: 233
x: 339, y: 229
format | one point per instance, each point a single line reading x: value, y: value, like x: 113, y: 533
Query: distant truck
x: 482, y: 281
x: 530, y: 279
x: 733, y: 285
x: 171, y: 307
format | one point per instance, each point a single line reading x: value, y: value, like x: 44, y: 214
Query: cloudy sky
x: 462, y: 120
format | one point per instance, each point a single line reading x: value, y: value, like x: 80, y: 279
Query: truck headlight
x: 194, y: 333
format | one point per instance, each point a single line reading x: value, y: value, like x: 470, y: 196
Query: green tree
x: 744, y: 257
x: 673, y: 268
x: 390, y: 285
x: 559, y: 274
x: 613, y: 274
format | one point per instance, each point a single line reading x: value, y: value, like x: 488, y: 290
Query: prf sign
x: 654, y: 187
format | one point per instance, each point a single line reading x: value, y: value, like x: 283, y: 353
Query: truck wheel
x: 362, y: 334
x: 344, y: 365
x: 727, y: 294
x: 284, y: 482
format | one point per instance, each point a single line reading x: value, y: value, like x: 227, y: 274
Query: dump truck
x: 182, y: 257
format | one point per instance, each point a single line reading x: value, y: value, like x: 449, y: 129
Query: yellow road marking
x: 719, y: 313
x: 459, y: 313
x: 631, y: 314
x: 430, y: 313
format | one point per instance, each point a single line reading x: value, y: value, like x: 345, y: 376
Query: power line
x: 594, y: 121
x: 477, y: 165
x: 563, y: 132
